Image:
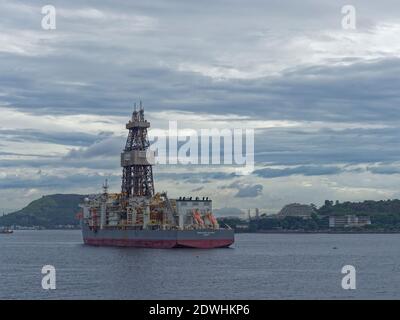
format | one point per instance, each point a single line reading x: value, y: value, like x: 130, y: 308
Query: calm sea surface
x: 258, y: 266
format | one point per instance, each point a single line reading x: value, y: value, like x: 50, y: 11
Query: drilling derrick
x: 137, y: 159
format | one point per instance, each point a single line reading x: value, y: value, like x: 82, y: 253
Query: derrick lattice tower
x: 137, y: 159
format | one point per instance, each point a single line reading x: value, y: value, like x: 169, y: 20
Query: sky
x: 323, y: 100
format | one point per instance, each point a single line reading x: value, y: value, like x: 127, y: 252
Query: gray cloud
x: 194, y: 177
x: 303, y: 170
x: 51, y: 181
x: 249, y: 191
x: 307, y: 146
x: 245, y: 190
x: 385, y: 169
x: 62, y: 138
x: 108, y: 147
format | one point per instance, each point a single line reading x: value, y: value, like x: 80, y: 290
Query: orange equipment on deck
x: 212, y: 219
x: 197, y: 217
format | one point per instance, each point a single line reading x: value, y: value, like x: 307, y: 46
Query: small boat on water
x: 6, y: 231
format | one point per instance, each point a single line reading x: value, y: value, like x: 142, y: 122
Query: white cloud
x: 14, y: 119
x: 274, y: 53
x: 110, y: 19
x: 26, y: 42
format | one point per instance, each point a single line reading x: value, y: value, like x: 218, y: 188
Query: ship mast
x: 137, y: 177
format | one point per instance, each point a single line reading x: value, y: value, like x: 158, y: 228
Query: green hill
x: 48, y: 211
x: 367, y: 207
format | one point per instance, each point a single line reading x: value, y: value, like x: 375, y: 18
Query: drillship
x: 139, y: 217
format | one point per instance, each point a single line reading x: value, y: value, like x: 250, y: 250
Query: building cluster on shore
x: 306, y: 212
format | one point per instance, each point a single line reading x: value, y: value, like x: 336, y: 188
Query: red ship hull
x: 163, y: 239
x: 160, y: 244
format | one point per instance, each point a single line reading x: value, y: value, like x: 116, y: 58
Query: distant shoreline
x: 257, y: 232
x: 319, y: 232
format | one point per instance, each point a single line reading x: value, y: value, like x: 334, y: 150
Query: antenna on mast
x: 105, y: 186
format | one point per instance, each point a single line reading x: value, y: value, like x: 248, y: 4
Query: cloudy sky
x: 323, y: 100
